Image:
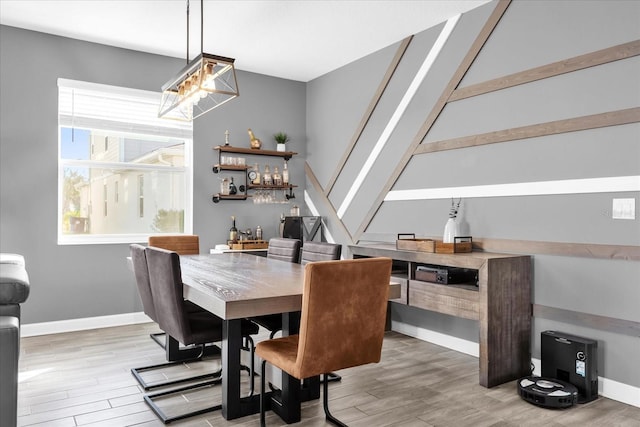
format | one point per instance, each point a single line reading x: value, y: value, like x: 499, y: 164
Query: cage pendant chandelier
x: 205, y: 83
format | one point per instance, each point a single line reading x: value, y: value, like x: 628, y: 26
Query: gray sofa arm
x: 14, y: 284
x: 9, y: 353
x: 14, y: 290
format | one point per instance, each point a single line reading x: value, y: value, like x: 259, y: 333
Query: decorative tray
x: 249, y: 244
x: 413, y: 244
x: 462, y: 244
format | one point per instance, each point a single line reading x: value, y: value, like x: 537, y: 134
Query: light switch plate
x: 624, y: 209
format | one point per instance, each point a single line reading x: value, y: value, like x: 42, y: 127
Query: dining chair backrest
x: 166, y: 288
x: 344, y: 309
x: 182, y: 244
x: 141, y: 272
x: 284, y: 249
x: 320, y: 251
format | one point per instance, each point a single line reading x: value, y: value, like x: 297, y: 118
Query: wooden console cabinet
x: 501, y: 302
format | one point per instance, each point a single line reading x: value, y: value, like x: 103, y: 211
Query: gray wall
x: 70, y: 282
x: 530, y: 34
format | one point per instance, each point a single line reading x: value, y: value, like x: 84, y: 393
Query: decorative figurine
x: 255, y: 142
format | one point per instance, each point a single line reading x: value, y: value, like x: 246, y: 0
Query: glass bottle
x: 258, y: 233
x: 285, y: 174
x: 256, y: 180
x: 232, y: 187
x: 277, y: 178
x: 233, y: 231
x: 224, y: 187
x: 266, y: 176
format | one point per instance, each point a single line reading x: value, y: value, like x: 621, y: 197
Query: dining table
x: 235, y: 286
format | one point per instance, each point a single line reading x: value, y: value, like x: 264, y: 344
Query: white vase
x: 281, y: 147
x: 450, y: 231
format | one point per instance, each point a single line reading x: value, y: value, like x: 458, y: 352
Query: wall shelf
x: 217, y: 197
x: 243, y: 189
x: 254, y: 152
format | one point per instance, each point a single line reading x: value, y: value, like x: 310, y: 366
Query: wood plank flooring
x: 83, y: 379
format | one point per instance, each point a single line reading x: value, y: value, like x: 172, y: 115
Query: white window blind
x: 96, y: 106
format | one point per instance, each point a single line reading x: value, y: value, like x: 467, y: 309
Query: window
x: 104, y: 197
x: 110, y: 138
x: 141, y: 196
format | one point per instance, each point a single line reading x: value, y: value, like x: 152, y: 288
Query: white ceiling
x: 293, y: 39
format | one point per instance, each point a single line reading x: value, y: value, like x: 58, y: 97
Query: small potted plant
x: 281, y: 141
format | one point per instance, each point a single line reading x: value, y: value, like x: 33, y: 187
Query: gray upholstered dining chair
x: 282, y: 249
x: 187, y: 327
x: 174, y: 355
x: 344, y: 309
x: 183, y: 244
x: 320, y: 251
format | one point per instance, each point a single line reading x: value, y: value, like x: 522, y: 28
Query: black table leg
x: 231, y: 343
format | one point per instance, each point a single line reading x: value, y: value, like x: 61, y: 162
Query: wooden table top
x: 238, y: 285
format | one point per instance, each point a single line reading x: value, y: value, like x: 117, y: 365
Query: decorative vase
x: 281, y: 147
x: 450, y: 231
x: 256, y: 144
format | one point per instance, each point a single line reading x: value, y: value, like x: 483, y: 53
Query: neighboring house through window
x: 111, y: 138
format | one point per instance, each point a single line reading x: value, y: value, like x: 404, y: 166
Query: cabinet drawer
x: 447, y: 299
x: 403, y: 289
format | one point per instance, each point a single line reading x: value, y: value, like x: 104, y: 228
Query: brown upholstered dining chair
x: 182, y: 244
x: 344, y: 307
x: 187, y: 327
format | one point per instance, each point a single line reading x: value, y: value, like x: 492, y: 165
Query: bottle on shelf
x: 258, y: 233
x: 233, y: 231
x: 224, y: 187
x: 232, y: 187
x: 256, y: 177
x: 266, y: 176
x: 285, y: 174
x: 277, y: 178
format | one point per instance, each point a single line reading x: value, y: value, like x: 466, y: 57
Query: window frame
x: 65, y: 121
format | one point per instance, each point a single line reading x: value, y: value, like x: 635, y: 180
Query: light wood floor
x: 83, y: 379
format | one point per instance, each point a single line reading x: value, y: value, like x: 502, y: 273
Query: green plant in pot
x: 281, y: 141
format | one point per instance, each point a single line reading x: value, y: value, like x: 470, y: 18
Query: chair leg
x: 325, y: 403
x: 172, y: 348
x: 149, y: 399
x: 332, y: 376
x: 136, y: 372
x: 262, y: 393
x: 250, y: 347
x: 175, y: 354
x: 159, y: 338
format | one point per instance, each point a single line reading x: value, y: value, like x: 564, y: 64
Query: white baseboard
x: 71, y: 325
x: 458, y: 344
x: 610, y: 389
